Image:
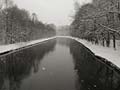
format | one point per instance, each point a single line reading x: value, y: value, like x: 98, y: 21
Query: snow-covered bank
x: 108, y: 53
x: 16, y: 46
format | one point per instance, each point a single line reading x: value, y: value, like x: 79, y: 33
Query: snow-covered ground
x: 111, y: 54
x: 6, y: 48
x: 108, y: 53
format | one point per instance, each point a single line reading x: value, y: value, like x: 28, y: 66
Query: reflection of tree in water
x: 18, y: 66
x: 63, y: 41
x: 92, y: 74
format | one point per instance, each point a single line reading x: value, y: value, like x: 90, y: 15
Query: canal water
x: 58, y: 64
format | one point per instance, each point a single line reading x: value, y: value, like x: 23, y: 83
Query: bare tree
x: 101, y: 17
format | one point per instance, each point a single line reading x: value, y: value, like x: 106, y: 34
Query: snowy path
x: 107, y: 53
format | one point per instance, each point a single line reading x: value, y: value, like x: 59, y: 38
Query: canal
x: 57, y: 64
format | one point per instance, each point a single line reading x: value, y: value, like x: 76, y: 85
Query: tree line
x: 97, y: 21
x: 18, y: 25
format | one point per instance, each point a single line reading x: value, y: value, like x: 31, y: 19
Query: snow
x: 110, y: 54
x: 16, y: 46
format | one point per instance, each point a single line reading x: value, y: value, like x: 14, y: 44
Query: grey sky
x: 51, y: 11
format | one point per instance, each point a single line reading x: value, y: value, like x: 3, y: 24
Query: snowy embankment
x: 13, y: 47
x: 109, y: 53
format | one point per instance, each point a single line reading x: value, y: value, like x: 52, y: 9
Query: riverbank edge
x: 7, y: 49
x: 108, y: 62
x: 11, y: 48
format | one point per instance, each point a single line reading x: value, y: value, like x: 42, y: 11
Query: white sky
x: 58, y: 12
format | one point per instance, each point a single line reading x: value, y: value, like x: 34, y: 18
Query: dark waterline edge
x: 24, y: 47
x: 98, y: 58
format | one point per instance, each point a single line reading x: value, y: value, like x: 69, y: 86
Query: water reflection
x: 64, y: 41
x: 69, y: 66
x: 16, y: 67
x: 91, y: 74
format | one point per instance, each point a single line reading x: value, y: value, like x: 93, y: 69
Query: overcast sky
x: 58, y: 12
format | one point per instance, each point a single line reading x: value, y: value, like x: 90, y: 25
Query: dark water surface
x: 59, y: 64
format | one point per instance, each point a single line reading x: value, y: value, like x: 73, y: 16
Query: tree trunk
x: 114, y: 41
x: 108, y: 39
